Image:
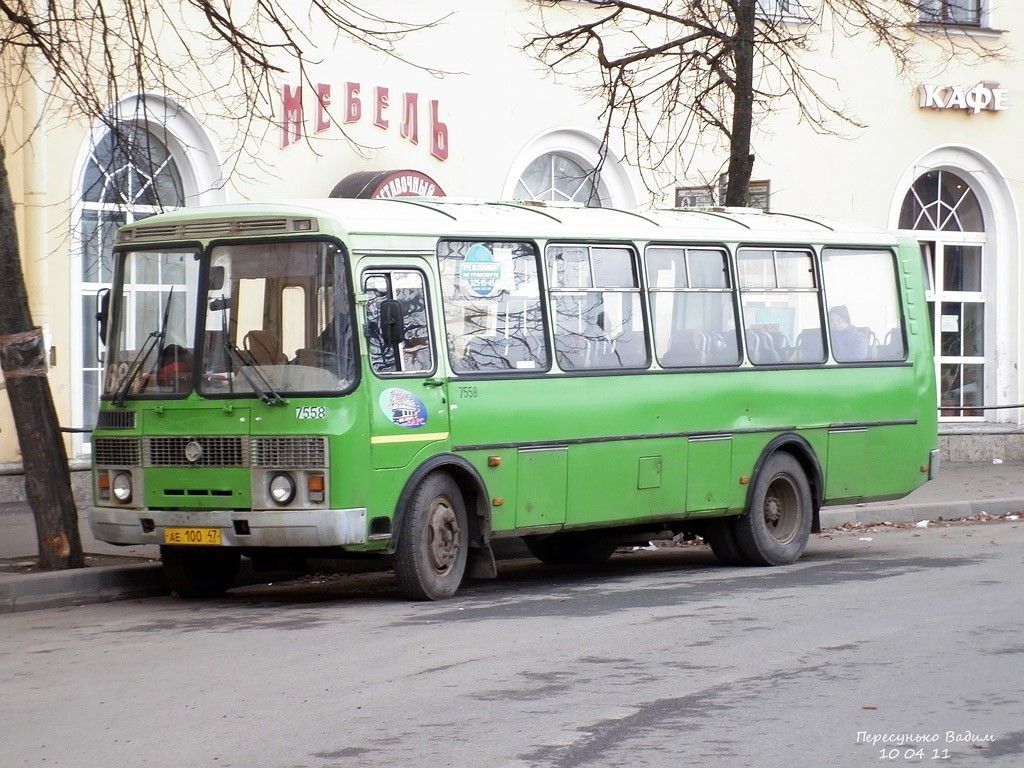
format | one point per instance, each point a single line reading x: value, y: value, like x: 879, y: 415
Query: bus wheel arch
x: 782, y: 504
x: 470, y: 485
x: 440, y: 531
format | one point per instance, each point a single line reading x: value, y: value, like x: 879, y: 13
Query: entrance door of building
x: 945, y: 215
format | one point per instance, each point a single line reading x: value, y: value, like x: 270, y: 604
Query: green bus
x: 420, y: 378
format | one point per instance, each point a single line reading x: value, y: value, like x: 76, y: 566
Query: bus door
x: 408, y: 400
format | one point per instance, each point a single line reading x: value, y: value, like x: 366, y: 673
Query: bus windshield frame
x: 244, y: 319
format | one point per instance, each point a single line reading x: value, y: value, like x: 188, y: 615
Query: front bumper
x: 291, y: 528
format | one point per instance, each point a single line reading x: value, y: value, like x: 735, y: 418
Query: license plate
x: 198, y: 536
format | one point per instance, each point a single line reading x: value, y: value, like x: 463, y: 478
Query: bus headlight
x: 282, y: 489
x: 121, y: 487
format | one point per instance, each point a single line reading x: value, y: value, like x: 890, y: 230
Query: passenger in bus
x: 175, y: 367
x: 848, y: 342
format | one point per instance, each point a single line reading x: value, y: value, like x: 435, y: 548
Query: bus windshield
x: 275, y: 320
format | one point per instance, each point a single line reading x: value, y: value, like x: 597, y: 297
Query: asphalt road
x: 880, y: 647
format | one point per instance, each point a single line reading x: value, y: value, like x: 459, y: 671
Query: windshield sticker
x: 403, y: 408
x: 479, y: 273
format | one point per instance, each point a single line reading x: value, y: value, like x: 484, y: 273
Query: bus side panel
x: 541, y: 487
x: 626, y: 481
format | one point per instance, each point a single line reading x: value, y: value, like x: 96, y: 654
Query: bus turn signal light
x: 315, y: 487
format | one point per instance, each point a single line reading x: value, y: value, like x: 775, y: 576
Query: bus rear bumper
x: 278, y: 528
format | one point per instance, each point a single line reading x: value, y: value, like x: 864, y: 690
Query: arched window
x: 946, y: 217
x: 131, y: 168
x: 941, y: 201
x: 556, y: 177
x: 130, y: 174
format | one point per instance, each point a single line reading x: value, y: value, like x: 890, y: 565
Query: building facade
x: 467, y: 112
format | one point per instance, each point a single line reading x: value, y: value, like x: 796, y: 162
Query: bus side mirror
x: 103, y: 297
x: 392, y: 324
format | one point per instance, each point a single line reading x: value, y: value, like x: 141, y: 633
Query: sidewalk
x: 962, y: 490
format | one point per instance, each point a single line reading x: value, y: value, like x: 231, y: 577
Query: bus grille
x: 229, y: 451
x: 289, y: 452
x: 117, y: 451
x: 221, y: 451
x: 115, y: 420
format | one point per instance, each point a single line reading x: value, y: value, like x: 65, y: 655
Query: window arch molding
x: 614, y: 187
x: 1001, y: 243
x: 190, y: 146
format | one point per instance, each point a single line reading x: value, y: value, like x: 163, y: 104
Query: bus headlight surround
x: 282, y: 489
x: 121, y: 487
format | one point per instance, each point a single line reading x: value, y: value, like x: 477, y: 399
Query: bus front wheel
x: 775, y: 529
x: 433, y: 541
x: 200, y: 572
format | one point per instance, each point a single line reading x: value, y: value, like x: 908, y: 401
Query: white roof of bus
x: 441, y: 217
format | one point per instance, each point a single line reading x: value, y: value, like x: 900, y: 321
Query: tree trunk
x: 23, y: 361
x: 741, y: 162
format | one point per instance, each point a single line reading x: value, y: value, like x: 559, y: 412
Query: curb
x: 866, y: 514
x: 81, y: 586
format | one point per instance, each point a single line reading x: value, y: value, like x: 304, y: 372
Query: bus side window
x: 693, y: 307
x: 492, y: 306
x: 865, y: 319
x: 781, y: 306
x: 397, y: 324
x: 596, y: 306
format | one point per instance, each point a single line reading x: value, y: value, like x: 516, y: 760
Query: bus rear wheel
x: 433, y: 541
x: 775, y: 529
x: 193, y: 573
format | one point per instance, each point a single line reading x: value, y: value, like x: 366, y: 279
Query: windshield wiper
x: 154, y: 338
x: 249, y: 367
x: 136, y: 367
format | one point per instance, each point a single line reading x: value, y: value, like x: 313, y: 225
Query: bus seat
x: 893, y: 348
x: 722, y: 348
x: 686, y: 347
x: 873, y: 343
x: 780, y: 345
x: 761, y: 347
x: 264, y: 348
x: 809, y: 347
x: 758, y: 347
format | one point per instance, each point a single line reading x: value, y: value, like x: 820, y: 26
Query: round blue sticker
x: 479, y: 272
x: 403, y: 408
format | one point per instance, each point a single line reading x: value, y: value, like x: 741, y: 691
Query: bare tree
x: 676, y: 74
x: 84, y: 56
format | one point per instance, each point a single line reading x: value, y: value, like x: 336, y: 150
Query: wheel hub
x: 442, y: 536
x: 773, y: 509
